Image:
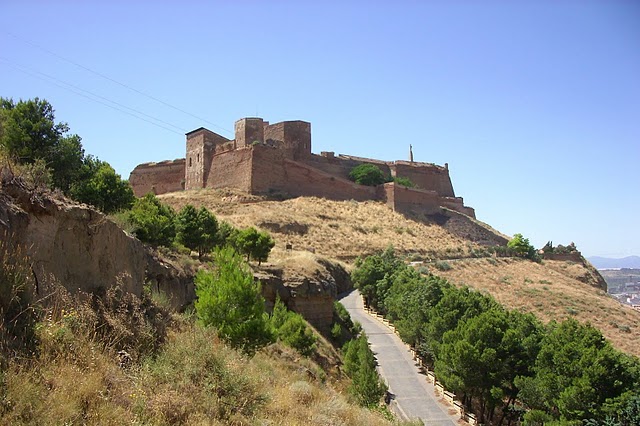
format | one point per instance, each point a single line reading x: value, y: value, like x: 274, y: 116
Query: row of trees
x: 197, y: 229
x: 500, y: 362
x: 48, y: 155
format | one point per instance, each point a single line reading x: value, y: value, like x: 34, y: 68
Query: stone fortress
x: 276, y: 159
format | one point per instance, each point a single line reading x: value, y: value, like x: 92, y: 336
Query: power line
x: 78, y: 92
x: 114, y: 81
x: 25, y: 69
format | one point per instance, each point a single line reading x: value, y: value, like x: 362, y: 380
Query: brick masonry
x: 276, y: 158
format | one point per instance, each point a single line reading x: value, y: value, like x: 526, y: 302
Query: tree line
x: 158, y: 224
x: 504, y: 364
x: 47, y: 155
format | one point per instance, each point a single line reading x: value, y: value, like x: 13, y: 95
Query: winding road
x: 412, y: 392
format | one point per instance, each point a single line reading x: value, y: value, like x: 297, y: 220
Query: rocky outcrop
x: 307, y: 284
x: 80, y: 247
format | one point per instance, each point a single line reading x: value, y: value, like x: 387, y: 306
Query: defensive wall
x: 276, y: 158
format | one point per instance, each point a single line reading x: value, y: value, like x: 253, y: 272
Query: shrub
x: 442, y: 265
x: 153, y: 221
x: 521, y: 247
x: 230, y: 300
x: 197, y: 229
x: 254, y: 244
x: 292, y: 329
x: 360, y: 365
x: 367, y: 174
x: 404, y: 182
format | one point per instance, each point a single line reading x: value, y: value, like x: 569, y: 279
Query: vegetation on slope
x: 49, y: 156
x: 500, y: 361
x: 552, y: 290
x: 115, y: 359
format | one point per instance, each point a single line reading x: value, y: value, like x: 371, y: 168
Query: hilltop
x: 453, y: 246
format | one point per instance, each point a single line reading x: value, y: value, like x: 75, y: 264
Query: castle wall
x: 341, y: 166
x: 159, y: 178
x: 231, y: 169
x: 426, y: 176
x: 274, y: 172
x: 405, y: 199
x: 457, y: 204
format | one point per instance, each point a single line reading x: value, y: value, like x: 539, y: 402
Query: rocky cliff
x: 307, y: 284
x: 80, y: 247
x: 83, y: 250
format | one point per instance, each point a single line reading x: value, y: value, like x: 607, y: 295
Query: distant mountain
x: 607, y: 262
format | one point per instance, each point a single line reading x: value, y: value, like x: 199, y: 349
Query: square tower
x: 249, y: 130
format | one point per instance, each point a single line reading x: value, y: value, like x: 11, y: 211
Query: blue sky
x: 534, y: 105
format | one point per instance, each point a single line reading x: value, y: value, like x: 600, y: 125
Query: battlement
x: 268, y: 158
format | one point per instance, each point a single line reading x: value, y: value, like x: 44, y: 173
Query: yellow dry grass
x: 347, y: 229
x: 337, y: 229
x: 552, y: 291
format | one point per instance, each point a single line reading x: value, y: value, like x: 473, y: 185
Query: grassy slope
x: 337, y: 229
x: 345, y: 230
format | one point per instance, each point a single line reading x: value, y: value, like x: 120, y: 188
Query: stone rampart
x: 457, y: 204
x: 159, y: 178
x: 231, y: 170
x: 304, y: 180
x: 425, y: 176
x: 403, y: 199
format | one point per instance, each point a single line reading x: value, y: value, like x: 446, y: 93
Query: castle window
x: 198, y: 158
x: 189, y: 161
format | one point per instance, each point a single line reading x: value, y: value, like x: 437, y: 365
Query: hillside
x: 345, y: 230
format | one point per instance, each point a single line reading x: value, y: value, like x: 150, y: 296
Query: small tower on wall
x: 249, y: 130
x: 410, y: 153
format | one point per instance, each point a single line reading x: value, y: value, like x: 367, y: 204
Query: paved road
x: 413, y: 393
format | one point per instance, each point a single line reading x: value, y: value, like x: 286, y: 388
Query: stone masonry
x: 277, y: 159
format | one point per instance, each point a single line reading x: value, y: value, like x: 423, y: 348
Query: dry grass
x: 552, y: 291
x: 338, y: 229
x: 347, y: 229
x: 193, y: 380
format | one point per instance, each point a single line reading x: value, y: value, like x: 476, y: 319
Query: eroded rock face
x: 80, y: 247
x: 307, y: 284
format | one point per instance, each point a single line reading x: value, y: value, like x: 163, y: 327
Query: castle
x: 276, y: 159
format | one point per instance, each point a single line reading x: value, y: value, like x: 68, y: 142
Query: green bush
x: 153, y: 221
x: 230, y: 300
x: 367, y: 174
x: 404, y: 182
x: 521, y: 247
x: 197, y: 229
x: 254, y: 244
x: 290, y: 328
x: 360, y: 364
x: 442, y: 265
x: 103, y: 188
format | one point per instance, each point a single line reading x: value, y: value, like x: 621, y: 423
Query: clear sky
x: 535, y: 105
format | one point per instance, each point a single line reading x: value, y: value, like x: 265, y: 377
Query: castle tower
x: 293, y: 138
x: 201, y: 146
x: 249, y: 130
